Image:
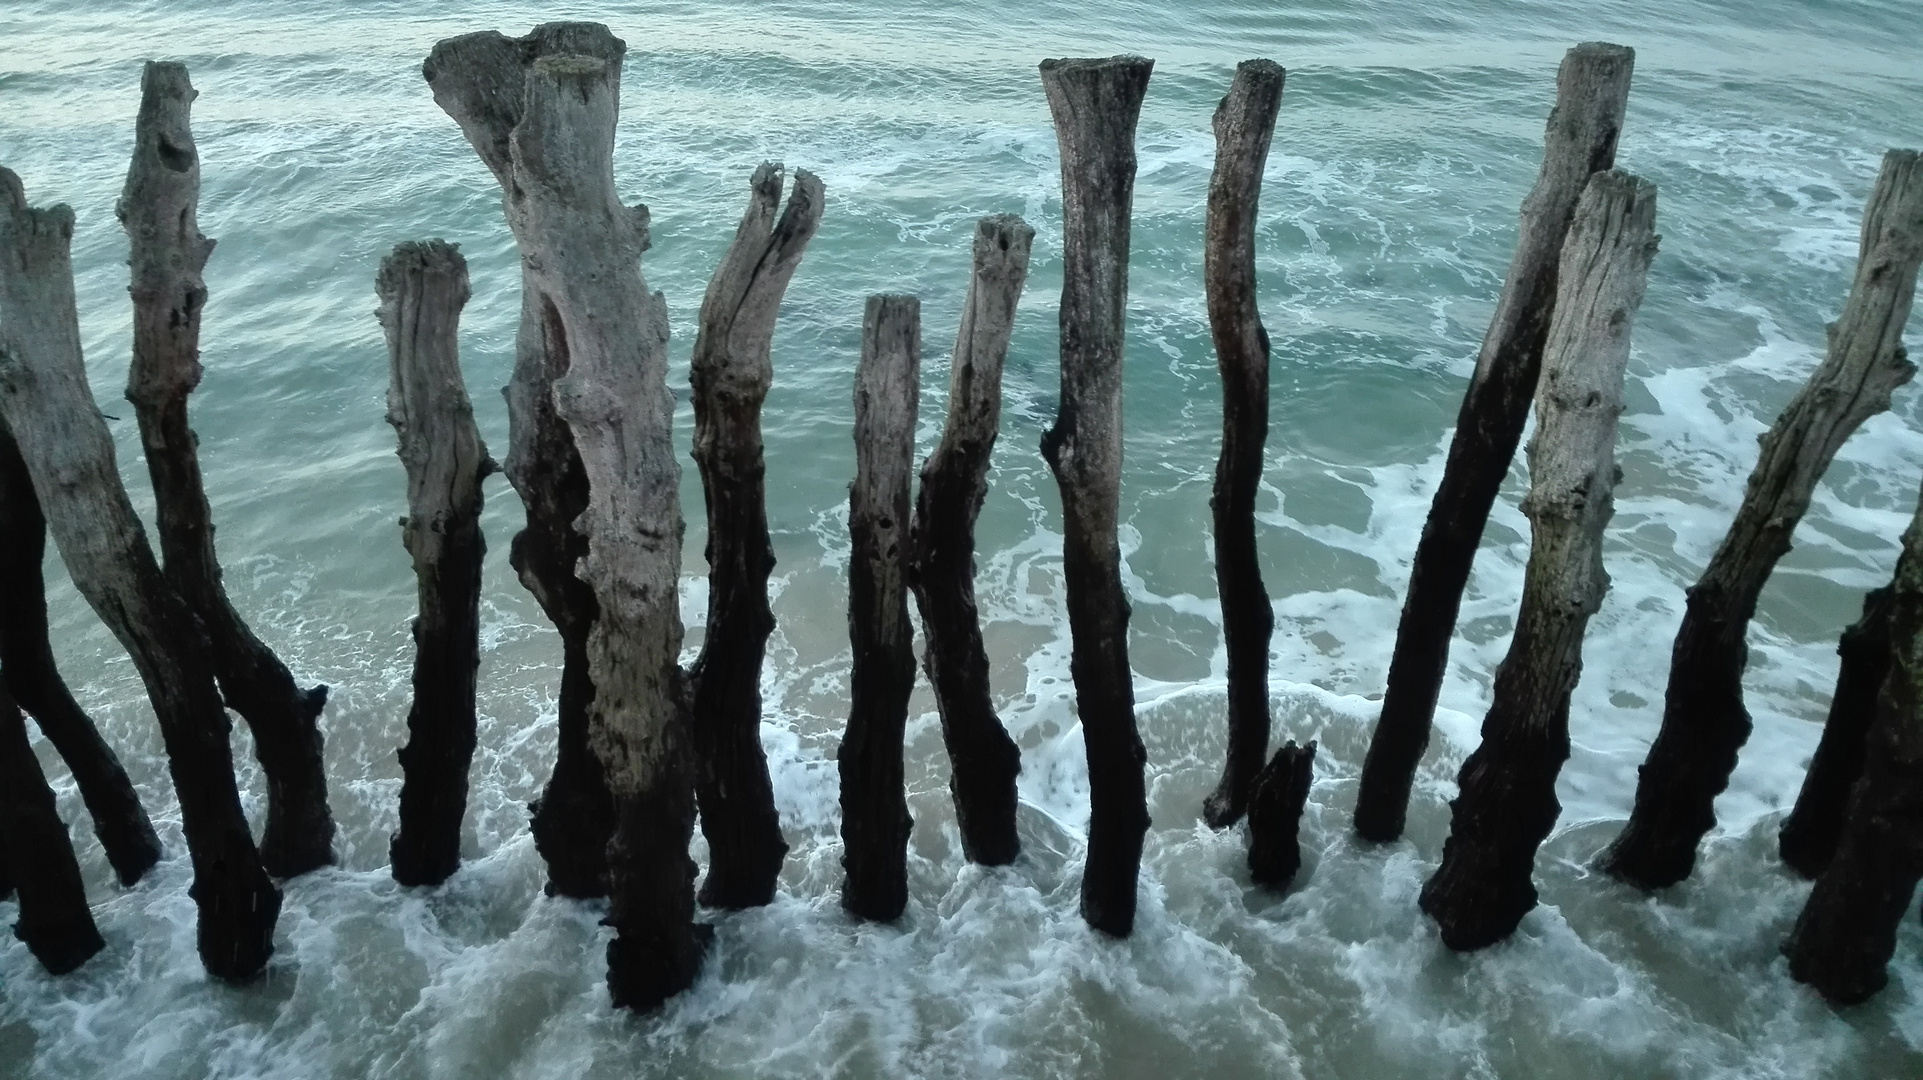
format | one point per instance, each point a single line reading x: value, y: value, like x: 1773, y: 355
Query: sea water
x: 1407, y: 138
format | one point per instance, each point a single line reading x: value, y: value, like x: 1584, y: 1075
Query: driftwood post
x: 731, y: 372
x: 1592, y: 88
x: 941, y: 548
x: 1814, y: 828
x: 157, y: 209
x: 55, y: 922
x: 47, y: 404
x: 1704, y: 721
x: 1095, y: 104
x: 479, y: 80
x: 1244, y: 123
x: 26, y: 661
x: 422, y: 287
x: 874, y: 804
x: 1275, y: 805
x: 1507, y: 804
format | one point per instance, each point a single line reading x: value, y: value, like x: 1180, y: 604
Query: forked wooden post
x: 55, y: 922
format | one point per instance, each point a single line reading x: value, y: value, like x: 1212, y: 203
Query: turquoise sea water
x: 1407, y: 138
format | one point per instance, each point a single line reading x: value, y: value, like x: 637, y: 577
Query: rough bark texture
x: 479, y: 80
x: 1507, y: 803
x: 1095, y: 104
x: 26, y: 661
x: 1814, y: 828
x: 1704, y: 721
x: 1275, y: 805
x: 1592, y: 88
x: 157, y: 209
x: 1846, y: 933
x: 1244, y: 123
x: 941, y: 548
x: 46, y: 402
x: 423, y: 287
x: 730, y: 372
x: 55, y: 922
x: 874, y: 802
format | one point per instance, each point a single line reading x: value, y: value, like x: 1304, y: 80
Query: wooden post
x: 54, y: 921
x: 1244, y: 123
x: 874, y: 803
x: 1507, y: 804
x: 479, y: 80
x: 46, y: 402
x: 1704, y: 721
x: 1095, y: 104
x: 1275, y: 805
x: 26, y: 660
x: 1846, y: 933
x: 423, y: 287
x: 1814, y: 828
x: 941, y: 548
x: 1592, y: 88
x: 730, y: 372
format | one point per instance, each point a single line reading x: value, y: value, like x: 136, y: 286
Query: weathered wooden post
x: 479, y: 80
x: 941, y: 548
x: 1592, y: 89
x: 46, y: 403
x: 1244, y: 123
x: 1095, y: 104
x: 1507, y: 802
x: 1814, y: 827
x: 27, y: 664
x: 55, y: 922
x: 157, y: 209
x: 1704, y: 721
x: 731, y: 372
x: 422, y: 287
x: 1275, y: 805
x: 874, y: 802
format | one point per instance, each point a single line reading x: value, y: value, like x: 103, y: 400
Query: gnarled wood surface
x: 55, y: 922
x: 1275, y: 805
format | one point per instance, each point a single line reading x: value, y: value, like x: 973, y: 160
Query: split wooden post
x: 479, y: 80
x: 1592, y: 89
x: 1095, y: 104
x: 1507, y: 802
x: 422, y: 287
x: 55, y: 922
x: 46, y: 403
x: 874, y: 803
x: 1704, y: 721
x: 157, y: 209
x: 1244, y: 124
x: 941, y: 548
x: 1814, y: 827
x: 1280, y: 792
x: 730, y: 372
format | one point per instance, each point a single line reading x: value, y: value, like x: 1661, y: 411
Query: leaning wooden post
x: 1704, y: 721
x: 1095, y: 104
x: 1244, y: 123
x: 26, y: 661
x: 1592, y: 88
x: 479, y: 79
x: 423, y: 287
x: 941, y: 548
x: 157, y: 209
x: 1814, y: 827
x: 55, y: 922
x: 874, y: 803
x: 731, y: 372
x: 1507, y: 804
x: 46, y: 402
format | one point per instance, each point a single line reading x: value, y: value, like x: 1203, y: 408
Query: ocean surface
x: 1408, y: 136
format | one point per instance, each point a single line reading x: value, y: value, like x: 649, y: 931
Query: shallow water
x: 1407, y: 139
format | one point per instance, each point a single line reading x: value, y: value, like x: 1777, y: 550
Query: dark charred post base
x: 479, y: 80
x: 874, y: 802
x: 657, y: 951
x: 941, y: 549
x: 1275, y: 805
x: 26, y: 659
x: 157, y: 209
x: 1704, y: 721
x: 47, y: 404
x: 422, y: 289
x: 1244, y: 124
x: 1592, y: 89
x: 1095, y: 104
x: 1810, y: 834
x: 731, y: 372
x: 54, y: 921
